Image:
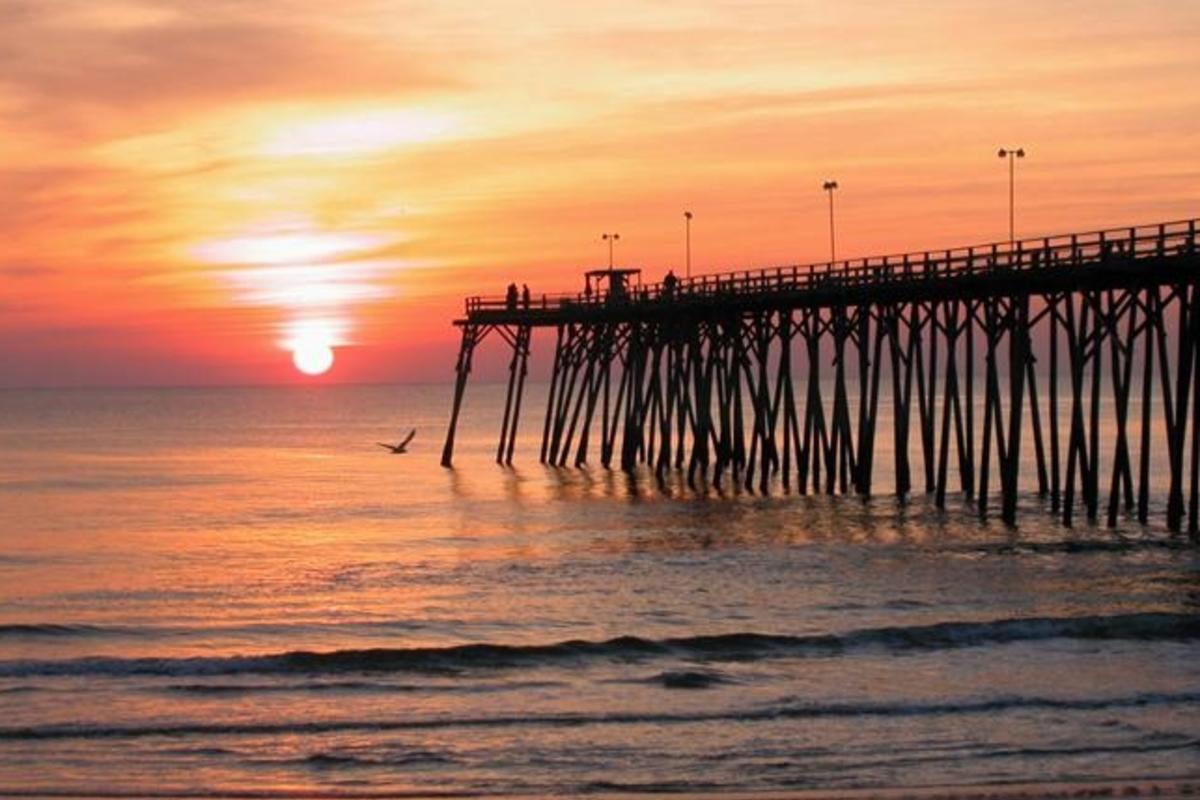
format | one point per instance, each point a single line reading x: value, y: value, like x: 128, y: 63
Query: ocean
x: 237, y: 593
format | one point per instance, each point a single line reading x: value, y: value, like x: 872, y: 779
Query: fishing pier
x: 771, y: 377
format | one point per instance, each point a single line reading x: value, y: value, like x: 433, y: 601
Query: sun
x: 312, y: 358
x: 312, y: 342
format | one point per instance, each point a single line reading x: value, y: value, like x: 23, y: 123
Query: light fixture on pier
x: 829, y: 186
x: 1011, y: 155
x: 611, y: 238
x: 687, y: 224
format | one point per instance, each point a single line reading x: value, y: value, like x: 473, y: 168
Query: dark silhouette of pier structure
x: 771, y: 377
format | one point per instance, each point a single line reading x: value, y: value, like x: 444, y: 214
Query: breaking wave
x: 778, y: 711
x: 742, y: 646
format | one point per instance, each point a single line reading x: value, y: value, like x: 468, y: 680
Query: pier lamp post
x: 687, y: 225
x: 1012, y: 156
x: 611, y: 238
x: 829, y: 186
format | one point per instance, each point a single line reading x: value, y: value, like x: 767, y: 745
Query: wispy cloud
x: 24, y: 271
x: 68, y: 63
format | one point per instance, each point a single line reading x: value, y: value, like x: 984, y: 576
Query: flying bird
x: 397, y: 449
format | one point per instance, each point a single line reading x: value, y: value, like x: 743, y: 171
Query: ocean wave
x: 785, y: 710
x: 63, y: 630
x: 355, y: 686
x: 740, y: 646
x: 690, y: 679
x: 683, y: 679
x: 84, y: 630
x: 1075, y: 546
x: 338, y: 760
x: 653, y: 787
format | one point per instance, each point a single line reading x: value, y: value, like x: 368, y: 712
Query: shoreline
x: 1172, y: 789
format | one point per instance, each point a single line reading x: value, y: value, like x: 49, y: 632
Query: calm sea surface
x: 212, y: 592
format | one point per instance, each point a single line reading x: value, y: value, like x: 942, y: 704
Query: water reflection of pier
x: 723, y: 376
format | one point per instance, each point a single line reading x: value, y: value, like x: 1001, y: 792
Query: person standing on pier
x: 525, y: 295
x: 510, y: 297
x: 669, y: 284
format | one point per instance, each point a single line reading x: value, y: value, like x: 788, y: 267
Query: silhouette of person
x: 616, y: 287
x: 669, y: 284
x: 525, y: 295
x: 510, y: 298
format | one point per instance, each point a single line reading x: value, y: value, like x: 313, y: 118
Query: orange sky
x: 190, y: 187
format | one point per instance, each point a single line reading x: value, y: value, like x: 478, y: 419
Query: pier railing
x: 1023, y: 256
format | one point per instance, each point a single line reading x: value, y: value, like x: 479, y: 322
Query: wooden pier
x: 983, y: 351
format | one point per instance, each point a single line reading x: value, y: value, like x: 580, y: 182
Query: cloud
x: 37, y: 196
x: 61, y: 65
x: 25, y: 271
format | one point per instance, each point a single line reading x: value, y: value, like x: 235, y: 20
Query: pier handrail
x: 1025, y: 255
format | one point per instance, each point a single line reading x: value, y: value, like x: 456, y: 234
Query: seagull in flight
x: 398, y: 449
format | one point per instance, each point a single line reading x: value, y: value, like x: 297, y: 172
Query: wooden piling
x: 470, y: 337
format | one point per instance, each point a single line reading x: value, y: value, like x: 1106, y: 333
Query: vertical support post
x: 950, y: 403
x: 1035, y: 412
x: 926, y: 402
x: 1194, y: 501
x: 1175, y: 430
x: 788, y: 396
x: 901, y: 395
x: 598, y: 365
x: 513, y: 369
x: 1018, y: 343
x: 1076, y: 444
x: 702, y: 374
x: 633, y: 440
x: 724, y: 445
x: 1164, y: 368
x: 814, y: 442
x: 655, y: 390
x: 685, y: 398
x: 470, y: 338
x: 735, y: 345
x: 672, y: 379
x: 1143, y: 501
x: 554, y: 380
x: 524, y: 334
x: 862, y: 473
x: 969, y: 482
x: 589, y: 336
x: 1093, y: 473
x: 774, y: 398
x: 1121, y: 350
x: 864, y: 465
x: 843, y: 447
x: 763, y: 417
x: 576, y: 347
x: 990, y: 402
x: 606, y: 384
x: 1055, y: 474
